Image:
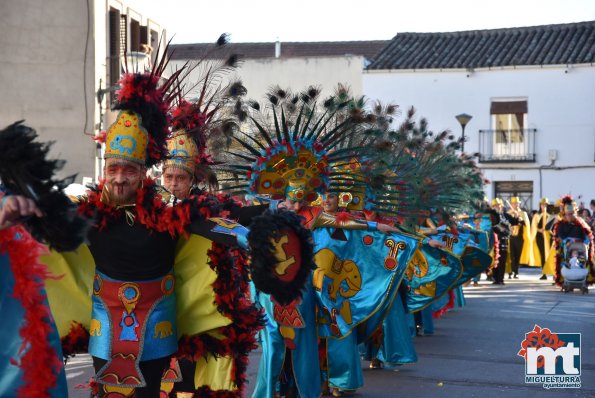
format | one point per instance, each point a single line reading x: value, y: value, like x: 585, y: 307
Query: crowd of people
x: 534, y: 241
x: 333, y: 238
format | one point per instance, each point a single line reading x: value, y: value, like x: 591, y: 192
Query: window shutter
x: 114, y: 46
x: 508, y: 107
x: 144, y: 35
x: 134, y: 35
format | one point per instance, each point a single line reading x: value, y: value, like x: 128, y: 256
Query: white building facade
x: 532, y: 125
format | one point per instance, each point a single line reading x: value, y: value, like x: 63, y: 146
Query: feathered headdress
x: 568, y: 204
x: 427, y: 172
x: 293, y: 144
x: 141, y: 128
x: 207, y: 118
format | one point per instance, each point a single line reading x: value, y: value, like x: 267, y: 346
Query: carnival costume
x: 194, y: 125
x: 141, y: 254
x: 31, y: 364
x: 298, y: 161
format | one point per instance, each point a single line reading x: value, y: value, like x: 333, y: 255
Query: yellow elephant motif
x: 163, y: 329
x: 418, y: 267
x: 337, y: 271
x: 95, y: 328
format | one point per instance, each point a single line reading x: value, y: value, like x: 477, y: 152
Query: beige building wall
x: 54, y: 56
x: 46, y: 75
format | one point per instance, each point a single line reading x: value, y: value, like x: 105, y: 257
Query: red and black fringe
x: 38, y: 356
x: 233, y: 300
x: 76, y: 341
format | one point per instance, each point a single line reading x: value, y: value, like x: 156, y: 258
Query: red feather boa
x: 29, y: 274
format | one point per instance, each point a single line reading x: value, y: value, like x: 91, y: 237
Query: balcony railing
x: 510, y: 146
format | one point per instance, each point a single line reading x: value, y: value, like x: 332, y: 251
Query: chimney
x: 277, y: 49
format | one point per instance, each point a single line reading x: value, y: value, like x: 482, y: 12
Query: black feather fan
x: 25, y: 170
x: 263, y: 229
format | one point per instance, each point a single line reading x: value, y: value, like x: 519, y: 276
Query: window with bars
x: 523, y: 189
x: 123, y: 35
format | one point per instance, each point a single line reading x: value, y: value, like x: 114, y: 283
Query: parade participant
x: 188, y: 164
x: 542, y: 236
x: 519, y: 243
x: 343, y: 372
x: 571, y: 227
x: 501, y: 227
x: 291, y: 156
x: 31, y: 203
x: 141, y: 251
x: 390, y: 345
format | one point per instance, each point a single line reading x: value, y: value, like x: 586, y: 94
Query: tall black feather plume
x: 25, y: 170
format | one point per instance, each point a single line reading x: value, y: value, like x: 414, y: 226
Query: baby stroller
x: 574, y: 268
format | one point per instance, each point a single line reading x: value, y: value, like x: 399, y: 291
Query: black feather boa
x: 262, y: 230
x: 25, y: 170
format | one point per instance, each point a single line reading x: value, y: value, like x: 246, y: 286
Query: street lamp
x: 463, y: 119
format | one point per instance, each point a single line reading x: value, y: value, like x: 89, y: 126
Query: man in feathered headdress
x: 129, y: 264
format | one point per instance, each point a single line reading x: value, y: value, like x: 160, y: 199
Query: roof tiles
x: 572, y: 43
x: 368, y: 49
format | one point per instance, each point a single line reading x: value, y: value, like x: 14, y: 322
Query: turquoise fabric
x: 357, y: 277
x: 12, y: 313
x: 443, y: 271
x: 459, y: 296
x: 304, y: 359
x: 472, y: 247
x: 344, y: 365
x: 397, y: 344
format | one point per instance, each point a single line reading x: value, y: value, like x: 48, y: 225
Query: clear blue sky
x: 192, y: 21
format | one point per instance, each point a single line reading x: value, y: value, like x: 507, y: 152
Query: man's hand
x: 14, y: 207
x: 435, y: 243
x: 386, y: 228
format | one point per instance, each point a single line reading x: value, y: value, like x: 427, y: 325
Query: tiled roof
x: 572, y: 43
x: 368, y: 49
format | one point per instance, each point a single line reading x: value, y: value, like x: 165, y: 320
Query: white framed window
x: 509, y: 121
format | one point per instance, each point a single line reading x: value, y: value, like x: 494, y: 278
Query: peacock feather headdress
x: 292, y: 144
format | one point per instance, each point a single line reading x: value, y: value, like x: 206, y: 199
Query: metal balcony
x: 507, y: 146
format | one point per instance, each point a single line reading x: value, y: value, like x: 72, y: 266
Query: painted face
x: 177, y: 181
x: 330, y: 204
x: 122, y: 179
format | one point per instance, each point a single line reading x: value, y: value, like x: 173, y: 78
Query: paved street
x: 474, y: 350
